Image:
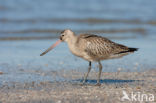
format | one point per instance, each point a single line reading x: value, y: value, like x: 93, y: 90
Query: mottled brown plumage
x: 100, y: 48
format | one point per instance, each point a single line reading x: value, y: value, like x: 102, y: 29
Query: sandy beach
x: 70, y: 91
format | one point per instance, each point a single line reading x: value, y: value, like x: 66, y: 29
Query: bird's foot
x: 98, y: 84
x: 82, y: 84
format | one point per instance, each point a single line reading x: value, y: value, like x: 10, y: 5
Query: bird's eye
x: 62, y: 35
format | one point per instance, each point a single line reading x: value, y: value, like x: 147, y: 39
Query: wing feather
x: 100, y: 47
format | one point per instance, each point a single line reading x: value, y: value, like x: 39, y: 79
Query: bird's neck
x: 72, y: 39
x: 72, y: 44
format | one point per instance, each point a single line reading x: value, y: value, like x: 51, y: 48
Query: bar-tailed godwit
x: 92, y: 48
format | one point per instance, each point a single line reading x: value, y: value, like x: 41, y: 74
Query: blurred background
x: 28, y: 27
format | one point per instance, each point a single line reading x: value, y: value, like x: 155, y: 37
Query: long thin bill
x: 51, y: 47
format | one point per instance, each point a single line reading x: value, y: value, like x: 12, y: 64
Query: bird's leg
x: 99, y: 75
x: 86, y: 75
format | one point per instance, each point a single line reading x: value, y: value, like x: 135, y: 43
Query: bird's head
x: 66, y: 35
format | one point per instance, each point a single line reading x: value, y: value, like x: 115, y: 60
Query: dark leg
x: 86, y: 75
x: 99, y: 75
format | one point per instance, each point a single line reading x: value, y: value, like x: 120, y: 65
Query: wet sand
x: 70, y: 91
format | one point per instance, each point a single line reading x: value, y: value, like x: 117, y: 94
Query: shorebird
x: 92, y: 48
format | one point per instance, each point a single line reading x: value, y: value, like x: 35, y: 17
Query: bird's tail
x: 128, y: 51
x: 132, y: 49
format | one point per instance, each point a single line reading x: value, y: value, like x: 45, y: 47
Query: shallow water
x: 40, y: 18
x: 128, y: 22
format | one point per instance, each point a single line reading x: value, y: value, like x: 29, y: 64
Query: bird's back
x: 95, y: 48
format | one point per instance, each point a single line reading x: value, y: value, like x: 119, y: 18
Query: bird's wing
x: 100, y: 46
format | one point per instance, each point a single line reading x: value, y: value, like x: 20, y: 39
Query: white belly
x: 75, y: 50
